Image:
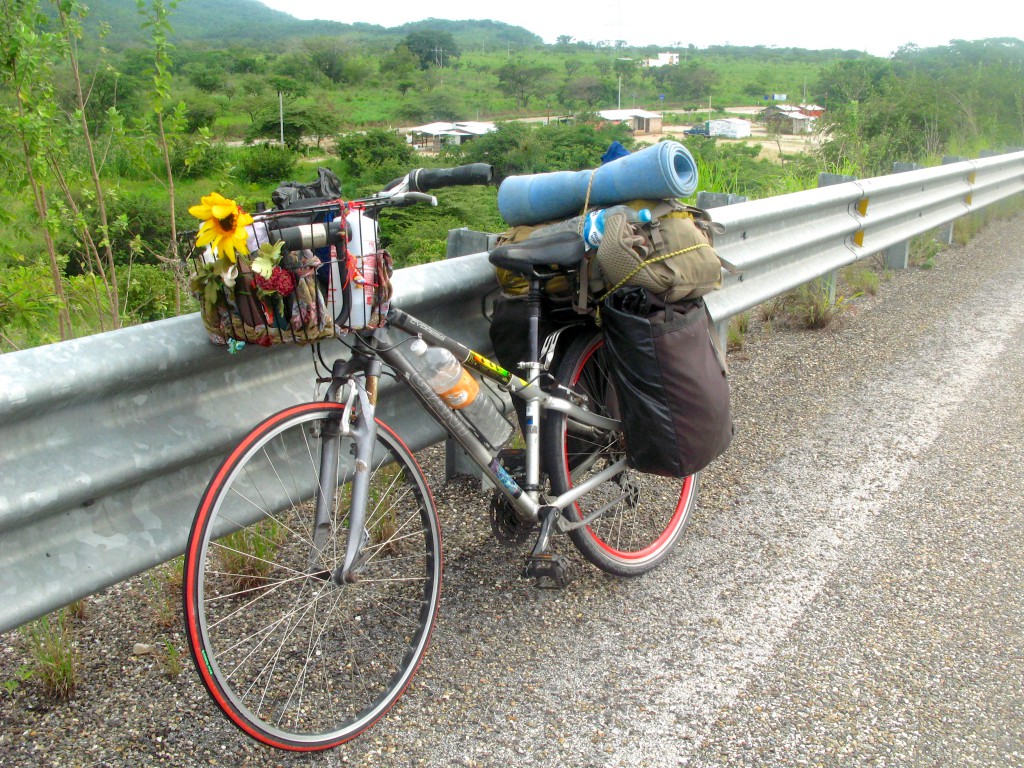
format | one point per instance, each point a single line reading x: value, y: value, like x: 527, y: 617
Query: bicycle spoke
x: 304, y: 661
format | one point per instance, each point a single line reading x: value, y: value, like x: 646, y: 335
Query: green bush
x: 200, y: 114
x: 196, y: 157
x: 374, y: 157
x: 28, y: 308
x: 265, y: 162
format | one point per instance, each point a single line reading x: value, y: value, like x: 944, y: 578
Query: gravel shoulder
x: 849, y: 592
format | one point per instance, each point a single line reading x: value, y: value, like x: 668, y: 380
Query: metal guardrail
x: 779, y: 243
x: 107, y: 442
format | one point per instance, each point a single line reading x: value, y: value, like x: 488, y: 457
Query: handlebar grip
x: 308, y: 236
x: 423, y: 179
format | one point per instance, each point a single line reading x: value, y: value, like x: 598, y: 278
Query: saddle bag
x: 671, y: 382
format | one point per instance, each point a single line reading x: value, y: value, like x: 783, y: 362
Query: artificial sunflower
x: 223, y: 226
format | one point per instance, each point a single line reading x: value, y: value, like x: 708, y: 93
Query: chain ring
x: 505, y: 525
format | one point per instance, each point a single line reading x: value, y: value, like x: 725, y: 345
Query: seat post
x: 531, y: 430
x: 533, y: 310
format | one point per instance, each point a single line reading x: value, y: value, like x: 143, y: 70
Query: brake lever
x: 411, y: 198
x: 395, y: 187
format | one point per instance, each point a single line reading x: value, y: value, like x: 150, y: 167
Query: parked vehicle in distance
x: 698, y: 130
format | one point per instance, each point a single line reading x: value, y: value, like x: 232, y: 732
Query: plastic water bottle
x: 362, y: 247
x: 592, y: 223
x: 460, y: 391
x: 593, y: 226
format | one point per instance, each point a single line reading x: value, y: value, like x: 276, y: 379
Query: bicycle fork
x: 356, y: 421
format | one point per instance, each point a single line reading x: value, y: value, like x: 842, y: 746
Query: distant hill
x: 230, y: 22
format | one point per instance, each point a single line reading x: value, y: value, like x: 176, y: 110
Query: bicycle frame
x: 381, y: 346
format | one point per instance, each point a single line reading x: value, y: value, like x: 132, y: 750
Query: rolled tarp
x: 664, y: 170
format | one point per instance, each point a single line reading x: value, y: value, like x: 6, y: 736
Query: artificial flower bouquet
x: 251, y: 291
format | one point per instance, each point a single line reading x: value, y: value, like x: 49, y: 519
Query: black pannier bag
x: 672, y: 388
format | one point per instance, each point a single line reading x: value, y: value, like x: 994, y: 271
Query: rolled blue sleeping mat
x: 664, y: 170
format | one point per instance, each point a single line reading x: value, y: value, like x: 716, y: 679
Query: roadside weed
x: 862, y: 280
x: 163, y: 592
x: 169, y: 659
x: 739, y: 326
x: 54, y: 660
x: 923, y: 251
x: 248, y: 554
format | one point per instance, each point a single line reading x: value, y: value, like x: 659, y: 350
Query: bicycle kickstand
x: 549, y: 569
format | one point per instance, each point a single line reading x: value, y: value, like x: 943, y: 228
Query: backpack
x: 672, y: 255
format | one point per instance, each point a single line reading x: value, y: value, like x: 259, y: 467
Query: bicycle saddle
x: 561, y: 249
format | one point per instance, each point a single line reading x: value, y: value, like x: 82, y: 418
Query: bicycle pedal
x: 549, y: 571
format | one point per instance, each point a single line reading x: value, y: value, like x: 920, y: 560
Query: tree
x: 156, y: 20
x: 589, y: 91
x: 294, y: 121
x: 327, y: 56
x: 522, y: 81
x: 335, y: 61
x: 431, y: 47
x: 399, y: 63
x: 626, y: 68
x: 849, y: 81
x: 684, y: 82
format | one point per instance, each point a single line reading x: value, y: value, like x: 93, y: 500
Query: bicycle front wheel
x: 635, y: 519
x: 292, y: 657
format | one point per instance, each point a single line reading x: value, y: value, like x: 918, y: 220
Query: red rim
x: 681, y: 504
x: 195, y: 646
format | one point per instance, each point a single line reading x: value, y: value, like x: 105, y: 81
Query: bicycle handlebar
x: 408, y: 190
x: 312, y: 236
x: 423, y: 179
x: 308, y: 236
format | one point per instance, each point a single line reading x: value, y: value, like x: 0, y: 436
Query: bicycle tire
x: 295, y: 660
x: 635, y: 535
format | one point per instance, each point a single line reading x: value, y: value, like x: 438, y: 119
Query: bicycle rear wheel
x: 293, y: 658
x: 642, y: 517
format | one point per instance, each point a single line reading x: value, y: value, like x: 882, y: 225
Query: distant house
x: 729, y: 128
x: 639, y: 120
x: 812, y: 110
x: 663, y: 60
x: 433, y: 136
x: 785, y: 118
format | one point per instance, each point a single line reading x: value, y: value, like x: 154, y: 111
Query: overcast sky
x: 876, y: 26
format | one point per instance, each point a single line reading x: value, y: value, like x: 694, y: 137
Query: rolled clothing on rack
x: 661, y: 171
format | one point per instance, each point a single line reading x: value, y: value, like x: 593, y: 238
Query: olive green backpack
x: 672, y: 255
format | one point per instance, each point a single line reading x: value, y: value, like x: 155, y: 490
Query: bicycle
x: 314, y: 565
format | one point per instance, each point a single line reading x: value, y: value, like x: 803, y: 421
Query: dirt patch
x: 771, y: 146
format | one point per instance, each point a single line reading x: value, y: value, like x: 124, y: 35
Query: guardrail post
x: 827, y: 180
x: 945, y: 235
x: 898, y: 256
x: 462, y: 242
x: 717, y: 200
